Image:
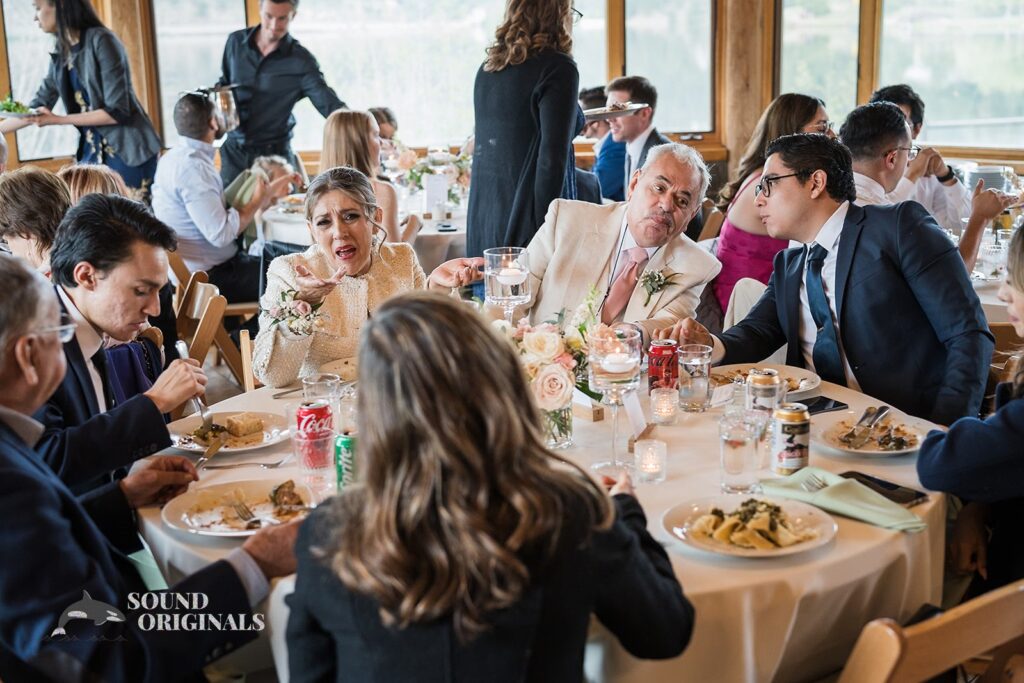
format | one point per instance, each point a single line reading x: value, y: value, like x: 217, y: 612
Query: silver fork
x: 813, y: 483
x: 264, y: 465
x: 248, y: 517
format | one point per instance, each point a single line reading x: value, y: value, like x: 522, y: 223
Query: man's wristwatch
x: 949, y: 175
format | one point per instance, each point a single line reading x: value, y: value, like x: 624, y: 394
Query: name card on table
x: 637, y: 420
x: 435, y: 188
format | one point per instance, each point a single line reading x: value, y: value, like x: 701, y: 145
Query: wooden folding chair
x: 888, y: 653
x: 249, y: 381
x: 1007, y: 361
x: 200, y: 319
x: 712, y: 221
x: 1007, y: 340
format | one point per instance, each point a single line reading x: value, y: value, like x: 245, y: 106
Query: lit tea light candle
x: 651, y: 459
x: 664, y: 404
x: 618, y: 362
x: 511, y: 276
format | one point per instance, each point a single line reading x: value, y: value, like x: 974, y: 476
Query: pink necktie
x: 623, y: 286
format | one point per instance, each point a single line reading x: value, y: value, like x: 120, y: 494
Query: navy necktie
x: 99, y: 360
x: 827, y: 361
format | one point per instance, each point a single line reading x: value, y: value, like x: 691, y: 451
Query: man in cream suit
x: 610, y: 247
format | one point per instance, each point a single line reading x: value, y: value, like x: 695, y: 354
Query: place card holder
x: 631, y: 444
x: 586, y: 408
x: 429, y: 216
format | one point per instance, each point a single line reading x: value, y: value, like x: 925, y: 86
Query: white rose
x: 543, y: 345
x: 552, y: 388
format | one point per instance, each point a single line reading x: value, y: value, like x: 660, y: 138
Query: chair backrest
x: 888, y: 653
x: 713, y: 219
x: 1007, y: 340
x: 200, y: 316
x: 249, y: 381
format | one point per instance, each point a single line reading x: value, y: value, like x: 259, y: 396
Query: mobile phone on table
x: 445, y: 227
x: 823, y: 404
x: 905, y: 496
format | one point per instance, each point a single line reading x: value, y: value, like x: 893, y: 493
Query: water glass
x: 315, y: 453
x: 506, y: 279
x: 694, y: 377
x: 739, y: 458
x: 327, y: 387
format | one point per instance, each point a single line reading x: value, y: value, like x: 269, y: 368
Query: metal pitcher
x: 223, y: 105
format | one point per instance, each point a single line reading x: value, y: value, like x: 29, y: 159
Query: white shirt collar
x: 636, y: 147
x: 89, y: 340
x: 28, y: 429
x: 869, y: 190
x: 205, y: 148
x: 828, y: 235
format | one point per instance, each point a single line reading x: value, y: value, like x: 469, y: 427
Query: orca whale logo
x: 95, y: 610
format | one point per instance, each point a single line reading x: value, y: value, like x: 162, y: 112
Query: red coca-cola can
x: 314, y: 418
x: 663, y: 364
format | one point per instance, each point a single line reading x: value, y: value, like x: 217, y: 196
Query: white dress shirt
x: 188, y: 195
x: 828, y: 237
x: 869, y: 191
x: 948, y: 204
x: 89, y: 341
x: 634, y: 150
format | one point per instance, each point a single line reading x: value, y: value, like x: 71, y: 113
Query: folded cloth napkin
x: 845, y: 497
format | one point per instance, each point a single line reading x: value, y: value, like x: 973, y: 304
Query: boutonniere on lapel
x: 654, y: 281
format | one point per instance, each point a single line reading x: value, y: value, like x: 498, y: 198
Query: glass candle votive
x: 651, y: 461
x: 664, y: 405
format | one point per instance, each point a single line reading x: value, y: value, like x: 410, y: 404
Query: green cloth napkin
x: 237, y: 194
x: 845, y: 497
x: 147, y: 567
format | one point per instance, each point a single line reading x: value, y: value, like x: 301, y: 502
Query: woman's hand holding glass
x: 457, y: 272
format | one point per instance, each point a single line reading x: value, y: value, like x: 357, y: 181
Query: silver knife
x: 863, y: 432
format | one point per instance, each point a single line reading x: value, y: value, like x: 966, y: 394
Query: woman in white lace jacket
x: 345, y: 275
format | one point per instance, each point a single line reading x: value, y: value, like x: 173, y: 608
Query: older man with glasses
x: 876, y: 298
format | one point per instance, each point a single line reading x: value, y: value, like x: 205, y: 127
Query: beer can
x: 791, y: 436
x: 314, y: 418
x: 345, y: 459
x: 764, y: 389
x: 663, y: 364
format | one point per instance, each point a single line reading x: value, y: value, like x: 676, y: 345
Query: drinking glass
x: 325, y: 386
x: 613, y: 361
x: 739, y: 459
x: 694, y: 380
x: 315, y: 453
x: 506, y: 278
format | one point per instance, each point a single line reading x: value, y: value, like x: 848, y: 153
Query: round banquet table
x: 988, y: 292
x: 792, y: 618
x: 433, y: 247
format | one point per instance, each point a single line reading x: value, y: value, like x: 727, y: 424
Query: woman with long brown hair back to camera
x: 467, y: 551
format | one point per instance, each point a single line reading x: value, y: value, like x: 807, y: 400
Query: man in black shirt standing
x: 272, y: 72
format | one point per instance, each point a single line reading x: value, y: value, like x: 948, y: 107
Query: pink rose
x: 275, y: 312
x: 552, y: 387
x: 302, y: 308
x: 407, y: 159
x: 566, y: 361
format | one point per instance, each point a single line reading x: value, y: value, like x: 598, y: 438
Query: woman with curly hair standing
x: 525, y: 104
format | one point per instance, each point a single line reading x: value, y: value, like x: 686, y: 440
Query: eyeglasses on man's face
x: 912, y: 151
x: 765, y: 186
x: 576, y: 15
x: 64, y: 332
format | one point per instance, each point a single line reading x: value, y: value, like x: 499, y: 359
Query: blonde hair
x: 347, y: 142
x: 459, y: 501
x: 83, y: 179
x: 529, y: 27
x: 351, y: 182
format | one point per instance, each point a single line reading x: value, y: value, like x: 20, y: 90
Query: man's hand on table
x: 183, y: 379
x: 686, y: 331
x: 273, y: 549
x: 158, y: 479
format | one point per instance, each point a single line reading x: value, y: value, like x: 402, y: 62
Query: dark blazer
x: 653, y: 140
x: 61, y: 550
x: 610, y: 167
x: 622, y: 575
x: 588, y: 187
x: 910, y: 323
x: 84, y: 446
x: 525, y: 122
x: 102, y: 66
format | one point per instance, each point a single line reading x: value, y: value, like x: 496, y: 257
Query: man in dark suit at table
x: 65, y: 611
x: 877, y: 299
x: 109, y: 261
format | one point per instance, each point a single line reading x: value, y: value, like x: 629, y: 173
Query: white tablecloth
x: 432, y: 246
x: 988, y: 292
x: 787, y: 619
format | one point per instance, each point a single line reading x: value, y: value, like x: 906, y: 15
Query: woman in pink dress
x: 744, y: 246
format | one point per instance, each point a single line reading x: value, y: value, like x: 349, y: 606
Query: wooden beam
x: 252, y: 12
x: 616, y: 32
x: 748, y: 60
x: 870, y: 30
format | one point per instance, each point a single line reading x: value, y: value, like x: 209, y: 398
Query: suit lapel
x: 77, y: 362
x: 593, y: 263
x: 791, y: 300
x: 852, y: 227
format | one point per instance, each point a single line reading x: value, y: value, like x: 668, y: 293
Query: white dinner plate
x: 346, y: 368
x: 678, y: 521
x: 826, y: 429
x: 207, y: 511
x: 275, y: 430
x: 809, y: 382
x: 603, y: 113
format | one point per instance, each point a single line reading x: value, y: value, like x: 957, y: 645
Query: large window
x: 190, y: 39
x: 590, y: 43
x: 964, y: 59
x: 28, y: 57
x: 671, y: 44
x: 819, y: 52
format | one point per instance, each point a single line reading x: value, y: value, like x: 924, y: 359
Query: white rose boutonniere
x: 655, y: 282
x: 543, y: 344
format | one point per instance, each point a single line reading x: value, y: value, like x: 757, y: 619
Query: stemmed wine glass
x: 506, y: 278
x: 613, y: 358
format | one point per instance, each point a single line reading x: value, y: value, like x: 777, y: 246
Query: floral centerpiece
x: 299, y: 316
x: 554, y: 356
x: 455, y: 167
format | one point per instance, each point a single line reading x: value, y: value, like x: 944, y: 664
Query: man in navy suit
x: 62, y: 553
x: 109, y: 261
x: 877, y: 299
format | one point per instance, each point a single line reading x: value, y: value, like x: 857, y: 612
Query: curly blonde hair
x: 529, y: 27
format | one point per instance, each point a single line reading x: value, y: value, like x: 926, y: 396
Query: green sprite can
x: 345, y: 459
